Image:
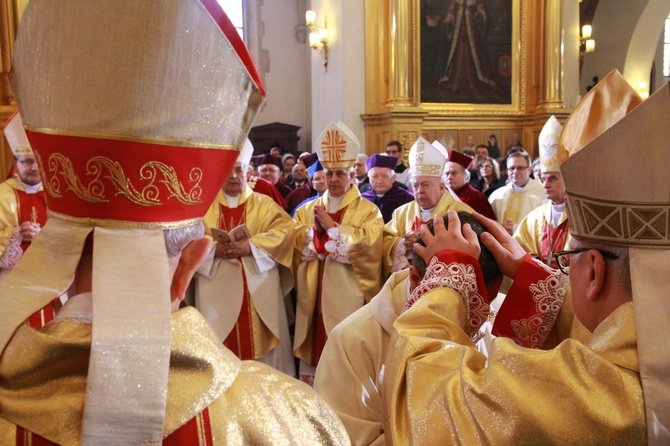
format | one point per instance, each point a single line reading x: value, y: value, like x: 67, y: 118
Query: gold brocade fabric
x: 346, y: 287
x: 43, y: 381
x: 402, y: 219
x: 439, y: 389
x: 272, y: 231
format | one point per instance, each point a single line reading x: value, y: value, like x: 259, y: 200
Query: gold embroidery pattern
x: 333, y: 147
x: 633, y: 224
x: 154, y: 172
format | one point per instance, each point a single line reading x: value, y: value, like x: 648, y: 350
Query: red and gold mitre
x: 136, y: 112
x: 16, y: 136
x: 337, y: 146
x: 148, y: 133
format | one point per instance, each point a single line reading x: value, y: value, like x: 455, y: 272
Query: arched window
x: 235, y: 12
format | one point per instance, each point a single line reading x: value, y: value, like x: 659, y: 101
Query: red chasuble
x: 552, y: 241
x: 319, y: 335
x: 32, y: 208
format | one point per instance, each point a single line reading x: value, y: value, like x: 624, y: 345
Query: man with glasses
x: 23, y: 206
x: 544, y: 231
x: 606, y: 385
x: 512, y: 202
x: 270, y: 169
x: 394, y: 148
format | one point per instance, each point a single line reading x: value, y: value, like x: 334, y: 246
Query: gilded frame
x: 517, y: 103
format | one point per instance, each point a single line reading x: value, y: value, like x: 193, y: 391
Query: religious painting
x: 466, y: 51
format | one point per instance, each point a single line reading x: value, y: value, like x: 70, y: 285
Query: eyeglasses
x: 514, y: 168
x: 563, y: 257
x: 28, y: 162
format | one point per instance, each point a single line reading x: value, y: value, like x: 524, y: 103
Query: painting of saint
x: 466, y: 51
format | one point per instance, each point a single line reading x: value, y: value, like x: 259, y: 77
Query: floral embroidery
x: 309, y: 251
x: 461, y: 278
x: 335, y: 246
x: 548, y: 295
x: 13, y: 251
x: 400, y: 260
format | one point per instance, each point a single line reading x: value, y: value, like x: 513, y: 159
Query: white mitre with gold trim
x: 16, y: 136
x: 548, y: 141
x: 135, y: 131
x: 618, y: 193
x: 337, y: 146
x: 425, y: 159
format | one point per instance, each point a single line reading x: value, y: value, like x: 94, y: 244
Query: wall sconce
x: 318, y: 36
x: 588, y: 45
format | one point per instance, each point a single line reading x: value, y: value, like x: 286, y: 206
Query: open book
x: 236, y: 234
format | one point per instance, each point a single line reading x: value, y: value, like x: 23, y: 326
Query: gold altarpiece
x: 10, y: 15
x: 394, y: 110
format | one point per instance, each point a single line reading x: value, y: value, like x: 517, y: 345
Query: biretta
x: 135, y: 132
x: 381, y: 160
x: 599, y: 140
x: 457, y: 157
x: 16, y: 136
x: 548, y: 141
x: 337, y: 146
x: 270, y: 159
x: 425, y: 159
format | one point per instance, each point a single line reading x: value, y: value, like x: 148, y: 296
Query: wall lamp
x: 588, y: 45
x: 318, y: 36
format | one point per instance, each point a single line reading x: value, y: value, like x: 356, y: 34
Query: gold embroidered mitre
x: 337, y: 146
x: 426, y: 159
x: 135, y: 131
x: 548, y: 140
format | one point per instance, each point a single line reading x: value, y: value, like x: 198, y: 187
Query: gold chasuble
x: 213, y: 397
x: 341, y: 281
x: 439, y: 389
x: 244, y: 305
x: 405, y: 219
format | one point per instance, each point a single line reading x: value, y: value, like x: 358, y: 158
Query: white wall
x: 339, y: 93
x: 282, y: 62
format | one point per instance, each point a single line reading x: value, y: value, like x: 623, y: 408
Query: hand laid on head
x: 409, y: 240
x: 455, y: 238
x: 508, y: 252
x: 233, y: 250
x: 324, y: 220
x: 29, y: 230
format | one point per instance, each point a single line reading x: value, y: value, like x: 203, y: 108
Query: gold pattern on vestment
x: 95, y: 191
x: 630, y: 224
x: 123, y: 224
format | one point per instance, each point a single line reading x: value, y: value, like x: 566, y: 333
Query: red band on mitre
x: 127, y: 180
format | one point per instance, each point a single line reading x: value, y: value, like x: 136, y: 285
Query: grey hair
x: 176, y: 239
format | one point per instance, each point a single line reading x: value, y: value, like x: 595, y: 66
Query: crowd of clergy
x: 431, y: 303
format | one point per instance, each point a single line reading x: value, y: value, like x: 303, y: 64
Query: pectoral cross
x: 33, y: 215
